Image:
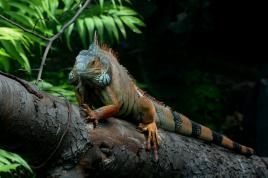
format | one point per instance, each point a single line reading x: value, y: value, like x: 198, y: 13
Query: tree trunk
x: 56, y: 140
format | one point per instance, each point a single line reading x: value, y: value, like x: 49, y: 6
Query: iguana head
x: 92, y: 66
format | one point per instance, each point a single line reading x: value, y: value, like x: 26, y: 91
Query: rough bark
x: 33, y: 127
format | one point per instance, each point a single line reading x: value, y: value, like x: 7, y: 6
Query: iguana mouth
x: 73, y: 79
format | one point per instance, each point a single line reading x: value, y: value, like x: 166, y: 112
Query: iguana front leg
x: 104, y: 111
x: 148, y: 124
x: 100, y: 113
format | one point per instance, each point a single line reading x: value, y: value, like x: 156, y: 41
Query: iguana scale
x: 104, y: 85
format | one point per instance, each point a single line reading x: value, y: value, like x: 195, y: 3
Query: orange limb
x: 153, y: 138
x: 104, y: 111
x: 149, y: 125
x: 100, y: 113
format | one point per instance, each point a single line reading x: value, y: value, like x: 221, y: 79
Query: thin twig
x: 52, y: 39
x: 49, y: 44
x: 23, y: 28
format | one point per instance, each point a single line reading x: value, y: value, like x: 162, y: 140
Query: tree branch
x: 23, y: 28
x: 33, y: 127
x: 52, y: 39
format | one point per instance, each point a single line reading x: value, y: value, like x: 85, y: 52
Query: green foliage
x: 63, y: 90
x: 109, y: 20
x: 57, y: 85
x: 202, y: 99
x: 13, y: 43
x: 46, y: 17
x: 12, y: 165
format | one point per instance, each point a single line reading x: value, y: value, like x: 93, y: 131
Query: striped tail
x: 185, y: 126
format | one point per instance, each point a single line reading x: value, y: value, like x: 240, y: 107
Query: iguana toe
x: 90, y: 115
x: 152, y: 139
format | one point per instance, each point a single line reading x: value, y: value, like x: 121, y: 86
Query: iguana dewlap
x: 105, y: 89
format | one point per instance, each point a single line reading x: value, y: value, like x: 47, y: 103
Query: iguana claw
x: 91, y: 115
x: 152, y: 139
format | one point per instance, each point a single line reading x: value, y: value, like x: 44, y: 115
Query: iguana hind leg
x: 148, y: 124
x: 152, y: 138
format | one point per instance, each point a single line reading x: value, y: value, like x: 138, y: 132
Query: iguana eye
x: 95, y: 62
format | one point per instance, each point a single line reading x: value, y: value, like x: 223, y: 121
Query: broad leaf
x: 120, y: 26
x: 8, y: 168
x: 129, y: 23
x: 110, y: 26
x: 81, y: 30
x: 98, y: 25
x: 68, y: 33
x: 3, y: 53
x: 90, y: 27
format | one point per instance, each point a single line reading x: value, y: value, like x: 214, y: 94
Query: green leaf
x: 99, y: 26
x: 24, y: 8
x: 90, y: 27
x: 31, y: 2
x: 7, y: 33
x: 12, y: 161
x: 45, y: 5
x: 44, y: 85
x: 4, y: 63
x: 3, y: 53
x: 81, y: 31
x: 10, y: 49
x: 129, y: 23
x: 122, y: 11
x: 33, y: 39
x: 53, y: 4
x: 113, y: 3
x: 64, y: 89
x: 67, y: 4
x: 25, y: 62
x: 18, y: 159
x: 120, y: 26
x: 68, y: 33
x: 101, y: 2
x: 16, y: 52
x: 8, y: 168
x: 21, y: 18
x: 120, y: 2
x: 15, y: 159
x: 135, y: 20
x: 41, y: 19
x: 4, y: 160
x: 4, y: 4
x: 11, y: 34
x: 110, y: 26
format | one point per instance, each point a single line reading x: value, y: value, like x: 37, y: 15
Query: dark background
x: 208, y: 60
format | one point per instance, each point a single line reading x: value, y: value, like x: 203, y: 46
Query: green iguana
x: 103, y: 84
